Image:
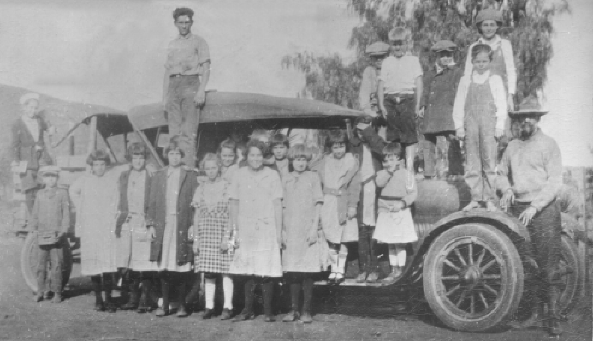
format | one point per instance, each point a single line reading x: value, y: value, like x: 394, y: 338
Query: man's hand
x: 420, y: 112
x: 312, y: 237
x: 507, y: 199
x: 460, y: 133
x: 528, y: 215
x: 200, y: 98
x: 351, y: 212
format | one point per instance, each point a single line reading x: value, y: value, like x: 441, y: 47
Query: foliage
x: 527, y: 24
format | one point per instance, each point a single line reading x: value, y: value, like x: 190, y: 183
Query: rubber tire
x: 569, y: 296
x: 29, y: 261
x: 508, y: 303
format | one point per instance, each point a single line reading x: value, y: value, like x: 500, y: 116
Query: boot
x: 133, y: 297
x: 182, y: 289
x: 96, y: 286
x: 395, y: 274
x: 268, y: 293
x: 554, y: 328
x: 143, y: 303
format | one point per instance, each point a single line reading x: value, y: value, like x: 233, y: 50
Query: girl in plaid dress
x: 211, y: 235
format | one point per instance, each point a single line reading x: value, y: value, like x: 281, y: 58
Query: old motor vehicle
x: 470, y: 266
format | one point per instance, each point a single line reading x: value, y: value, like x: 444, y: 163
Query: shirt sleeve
x: 317, y: 192
x: 417, y: 72
x: 509, y: 61
x: 459, y: 104
x: 234, y: 186
x: 385, y: 70
x: 203, y: 51
x: 366, y: 88
x: 553, y: 166
x: 500, y: 100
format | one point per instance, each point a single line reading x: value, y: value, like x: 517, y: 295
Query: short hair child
x: 393, y: 148
x: 300, y: 151
x: 210, y: 157
x: 336, y: 136
x: 279, y: 139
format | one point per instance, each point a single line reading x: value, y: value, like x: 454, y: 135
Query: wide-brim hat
x: 28, y: 96
x: 397, y: 33
x: 377, y: 49
x: 489, y: 14
x: 529, y: 106
x: 49, y: 170
x: 443, y: 45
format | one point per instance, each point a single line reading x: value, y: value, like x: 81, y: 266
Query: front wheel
x: 473, y: 277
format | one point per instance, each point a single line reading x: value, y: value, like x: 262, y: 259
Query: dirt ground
x: 74, y: 319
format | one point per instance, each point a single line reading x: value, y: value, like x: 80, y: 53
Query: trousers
x: 183, y: 115
x: 367, y: 246
x: 453, y: 154
x: 52, y: 253
x: 545, y: 230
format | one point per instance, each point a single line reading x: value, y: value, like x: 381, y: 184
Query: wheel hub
x: 471, y: 276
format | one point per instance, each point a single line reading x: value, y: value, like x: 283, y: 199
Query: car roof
x: 224, y: 107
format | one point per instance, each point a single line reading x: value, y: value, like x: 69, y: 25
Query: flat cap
x: 529, y: 106
x: 397, y: 33
x: 28, y: 96
x: 49, y: 170
x: 377, y: 49
x: 443, y: 45
x: 489, y: 14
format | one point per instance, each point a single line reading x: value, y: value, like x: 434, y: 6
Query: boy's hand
x: 351, y: 212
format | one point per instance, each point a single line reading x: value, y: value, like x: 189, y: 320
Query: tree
x: 528, y: 25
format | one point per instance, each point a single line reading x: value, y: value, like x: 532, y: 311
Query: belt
x: 401, y: 97
x: 391, y: 198
x: 332, y: 191
x: 180, y: 75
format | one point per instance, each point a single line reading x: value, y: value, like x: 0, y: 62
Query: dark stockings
x: 178, y: 279
x: 298, y: 281
x: 267, y: 285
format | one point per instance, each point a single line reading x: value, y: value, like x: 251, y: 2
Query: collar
x: 25, y: 118
x: 171, y: 170
x: 395, y: 170
x: 496, y: 40
x: 189, y: 36
x: 480, y: 79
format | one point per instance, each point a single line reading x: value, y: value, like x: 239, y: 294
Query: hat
x: 366, y: 119
x: 529, y: 106
x: 489, y: 14
x: 443, y: 45
x: 377, y: 49
x: 49, y: 170
x: 397, y: 33
x: 28, y: 96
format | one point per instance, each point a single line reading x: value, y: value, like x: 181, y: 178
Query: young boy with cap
x: 440, y: 84
x: 367, y: 94
x: 51, y: 219
x: 400, y: 92
x: 488, y: 22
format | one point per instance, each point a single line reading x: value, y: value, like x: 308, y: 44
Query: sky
x: 111, y: 52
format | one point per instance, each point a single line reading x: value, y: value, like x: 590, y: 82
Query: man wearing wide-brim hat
x: 530, y: 178
x: 400, y: 93
x: 440, y: 86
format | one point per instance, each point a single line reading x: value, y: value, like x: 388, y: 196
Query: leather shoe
x: 372, y: 277
x: 244, y: 316
x: 292, y: 316
x: 207, y: 314
x: 306, y: 318
x: 181, y: 312
x: 361, y: 278
x: 57, y: 298
x: 226, y: 314
x: 160, y: 312
x: 269, y: 318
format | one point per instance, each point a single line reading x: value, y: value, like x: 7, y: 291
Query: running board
x: 351, y: 282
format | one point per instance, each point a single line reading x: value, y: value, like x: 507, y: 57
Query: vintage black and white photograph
x: 296, y: 170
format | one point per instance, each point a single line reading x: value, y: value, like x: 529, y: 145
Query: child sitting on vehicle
x: 394, y: 222
x: 51, y: 219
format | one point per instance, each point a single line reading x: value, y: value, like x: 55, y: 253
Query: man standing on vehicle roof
x: 400, y: 93
x: 530, y: 179
x: 187, y: 71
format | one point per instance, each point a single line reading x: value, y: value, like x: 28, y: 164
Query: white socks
x: 397, y: 255
x: 209, y: 291
x: 341, y: 263
x: 227, y: 288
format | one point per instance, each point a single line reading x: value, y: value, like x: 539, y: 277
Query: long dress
x: 301, y: 195
x: 169, y: 253
x: 95, y: 199
x: 136, y: 225
x: 212, y: 220
x: 258, y: 253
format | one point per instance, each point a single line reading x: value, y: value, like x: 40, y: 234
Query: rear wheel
x: 473, y: 277
x: 570, y: 286
x: 29, y: 259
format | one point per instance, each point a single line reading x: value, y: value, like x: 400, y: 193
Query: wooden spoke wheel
x: 570, y: 285
x: 473, y: 277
